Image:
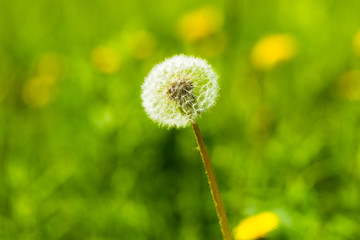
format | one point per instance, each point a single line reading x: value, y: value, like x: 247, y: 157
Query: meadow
x: 80, y: 159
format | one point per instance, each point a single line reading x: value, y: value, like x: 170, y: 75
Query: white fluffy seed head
x: 178, y: 90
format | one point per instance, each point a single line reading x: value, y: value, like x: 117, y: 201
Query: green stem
x: 220, y: 210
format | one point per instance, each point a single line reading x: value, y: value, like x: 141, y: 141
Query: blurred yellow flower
x: 199, y: 24
x: 273, y: 49
x: 357, y: 43
x: 256, y: 226
x: 348, y: 85
x: 50, y: 64
x: 39, y: 91
x: 142, y: 44
x: 210, y: 47
x: 105, y: 59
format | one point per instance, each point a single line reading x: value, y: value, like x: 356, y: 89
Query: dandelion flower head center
x: 182, y: 93
x: 178, y: 90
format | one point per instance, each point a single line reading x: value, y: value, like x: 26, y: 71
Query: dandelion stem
x: 220, y: 210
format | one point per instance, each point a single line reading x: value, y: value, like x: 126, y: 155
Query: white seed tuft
x: 178, y: 90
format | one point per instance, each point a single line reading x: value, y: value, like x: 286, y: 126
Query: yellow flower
x: 142, y: 44
x: 105, y: 59
x: 210, y: 47
x: 50, y: 64
x: 357, y: 43
x: 39, y: 91
x: 348, y: 85
x: 273, y: 49
x: 199, y: 24
x: 256, y: 226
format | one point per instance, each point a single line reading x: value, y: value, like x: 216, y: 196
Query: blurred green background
x: 80, y: 159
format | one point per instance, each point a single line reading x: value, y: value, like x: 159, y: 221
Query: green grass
x: 89, y: 163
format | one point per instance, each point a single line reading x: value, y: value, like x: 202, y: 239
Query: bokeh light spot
x: 256, y: 226
x: 272, y: 50
x: 199, y: 24
x: 39, y: 91
x: 105, y: 59
x: 348, y: 85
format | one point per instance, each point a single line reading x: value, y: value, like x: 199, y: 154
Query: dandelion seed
x: 178, y: 90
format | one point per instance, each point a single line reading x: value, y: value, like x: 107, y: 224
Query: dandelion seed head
x: 178, y: 90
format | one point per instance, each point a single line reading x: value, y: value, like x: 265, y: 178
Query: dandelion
x: 178, y: 90
x: 256, y: 226
x: 174, y: 94
x: 272, y: 50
